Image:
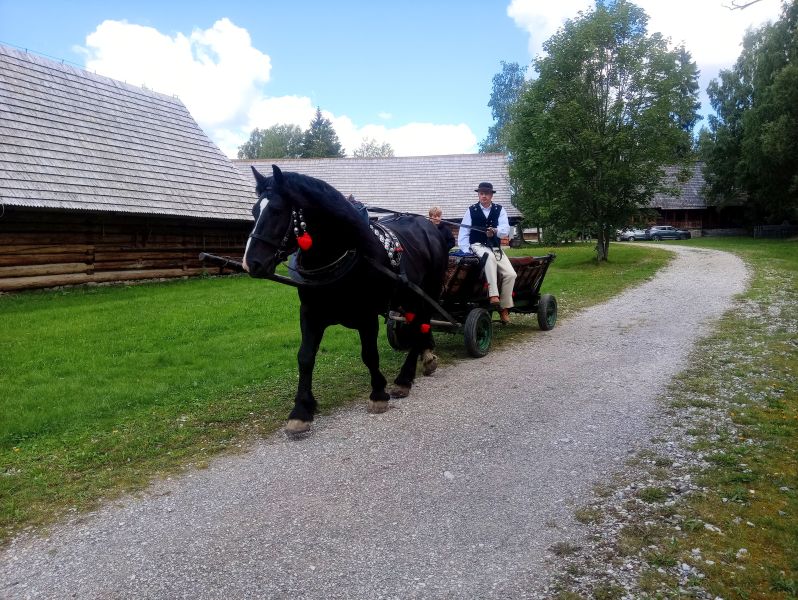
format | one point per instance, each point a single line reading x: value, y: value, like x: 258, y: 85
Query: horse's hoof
x: 380, y: 396
x: 429, y: 363
x: 376, y: 407
x: 400, y: 391
x: 296, y: 427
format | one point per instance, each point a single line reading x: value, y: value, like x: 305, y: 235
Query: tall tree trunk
x: 602, y: 244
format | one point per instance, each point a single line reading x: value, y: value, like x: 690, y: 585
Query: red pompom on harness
x: 304, y: 241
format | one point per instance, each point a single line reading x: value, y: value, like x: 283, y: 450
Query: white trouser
x: 495, y: 267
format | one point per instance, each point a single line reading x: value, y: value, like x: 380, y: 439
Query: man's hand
x: 490, y: 231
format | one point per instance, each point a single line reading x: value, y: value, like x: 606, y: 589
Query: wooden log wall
x: 46, y: 248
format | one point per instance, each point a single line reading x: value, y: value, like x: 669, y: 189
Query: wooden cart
x: 464, y: 306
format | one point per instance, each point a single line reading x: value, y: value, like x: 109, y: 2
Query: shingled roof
x: 405, y: 183
x: 70, y: 139
x: 690, y: 197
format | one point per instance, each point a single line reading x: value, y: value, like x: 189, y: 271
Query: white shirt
x: 503, y: 230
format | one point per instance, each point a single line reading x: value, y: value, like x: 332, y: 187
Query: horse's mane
x: 320, y: 195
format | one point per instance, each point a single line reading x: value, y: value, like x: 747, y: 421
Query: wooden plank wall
x: 46, y: 248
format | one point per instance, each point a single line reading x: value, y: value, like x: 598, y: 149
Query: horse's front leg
x: 378, y: 399
x: 305, y: 403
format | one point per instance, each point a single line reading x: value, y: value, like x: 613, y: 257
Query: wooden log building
x: 689, y: 209
x: 104, y: 181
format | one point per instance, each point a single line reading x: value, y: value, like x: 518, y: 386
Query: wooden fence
x: 775, y: 231
x: 46, y: 248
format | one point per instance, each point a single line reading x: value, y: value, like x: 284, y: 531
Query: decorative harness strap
x: 325, y: 275
x: 390, y: 242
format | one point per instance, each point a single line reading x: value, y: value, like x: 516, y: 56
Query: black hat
x: 485, y: 187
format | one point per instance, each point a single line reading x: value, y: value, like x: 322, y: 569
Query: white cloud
x: 542, y: 19
x: 413, y: 139
x: 221, y: 78
x: 215, y: 72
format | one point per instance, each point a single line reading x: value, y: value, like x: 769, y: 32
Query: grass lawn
x: 103, y: 389
x: 749, y: 369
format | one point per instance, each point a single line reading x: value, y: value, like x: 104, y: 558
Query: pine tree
x: 320, y: 139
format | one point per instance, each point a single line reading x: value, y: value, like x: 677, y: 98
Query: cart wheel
x: 547, y: 312
x: 478, y: 332
x: 396, y: 335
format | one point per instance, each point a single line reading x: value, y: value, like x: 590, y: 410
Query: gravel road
x: 459, y: 491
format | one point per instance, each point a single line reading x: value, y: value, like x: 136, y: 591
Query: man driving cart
x: 483, y: 226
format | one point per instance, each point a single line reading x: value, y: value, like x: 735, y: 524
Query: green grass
x: 103, y: 389
x: 578, y: 281
x: 752, y: 484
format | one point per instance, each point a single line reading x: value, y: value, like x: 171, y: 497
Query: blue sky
x: 414, y: 74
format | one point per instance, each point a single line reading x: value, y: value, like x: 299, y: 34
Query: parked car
x: 631, y: 235
x: 666, y: 232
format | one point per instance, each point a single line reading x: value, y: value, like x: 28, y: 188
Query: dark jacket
x: 447, y: 235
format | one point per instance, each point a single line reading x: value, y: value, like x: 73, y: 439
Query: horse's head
x: 272, y: 238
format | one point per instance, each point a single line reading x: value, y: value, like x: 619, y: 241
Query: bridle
x: 319, y: 276
x: 294, y: 224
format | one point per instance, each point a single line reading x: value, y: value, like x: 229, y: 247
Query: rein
x: 377, y: 209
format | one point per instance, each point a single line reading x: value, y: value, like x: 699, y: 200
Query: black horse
x: 345, y: 275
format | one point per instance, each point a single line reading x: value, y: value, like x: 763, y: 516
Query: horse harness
x: 339, y: 267
x: 393, y: 248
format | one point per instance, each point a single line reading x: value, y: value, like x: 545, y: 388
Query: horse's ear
x: 259, y: 179
x: 278, y: 175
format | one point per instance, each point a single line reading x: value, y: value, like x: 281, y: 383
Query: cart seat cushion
x: 463, y: 274
x: 522, y: 261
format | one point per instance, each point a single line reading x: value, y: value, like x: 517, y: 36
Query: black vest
x: 479, y: 220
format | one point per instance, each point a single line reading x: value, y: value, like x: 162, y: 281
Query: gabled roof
x: 405, y: 183
x: 690, y: 197
x: 70, y: 139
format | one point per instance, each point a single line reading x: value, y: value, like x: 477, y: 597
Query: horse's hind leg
x: 378, y: 399
x: 407, y: 374
x: 429, y: 360
x: 421, y: 344
x: 305, y: 403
